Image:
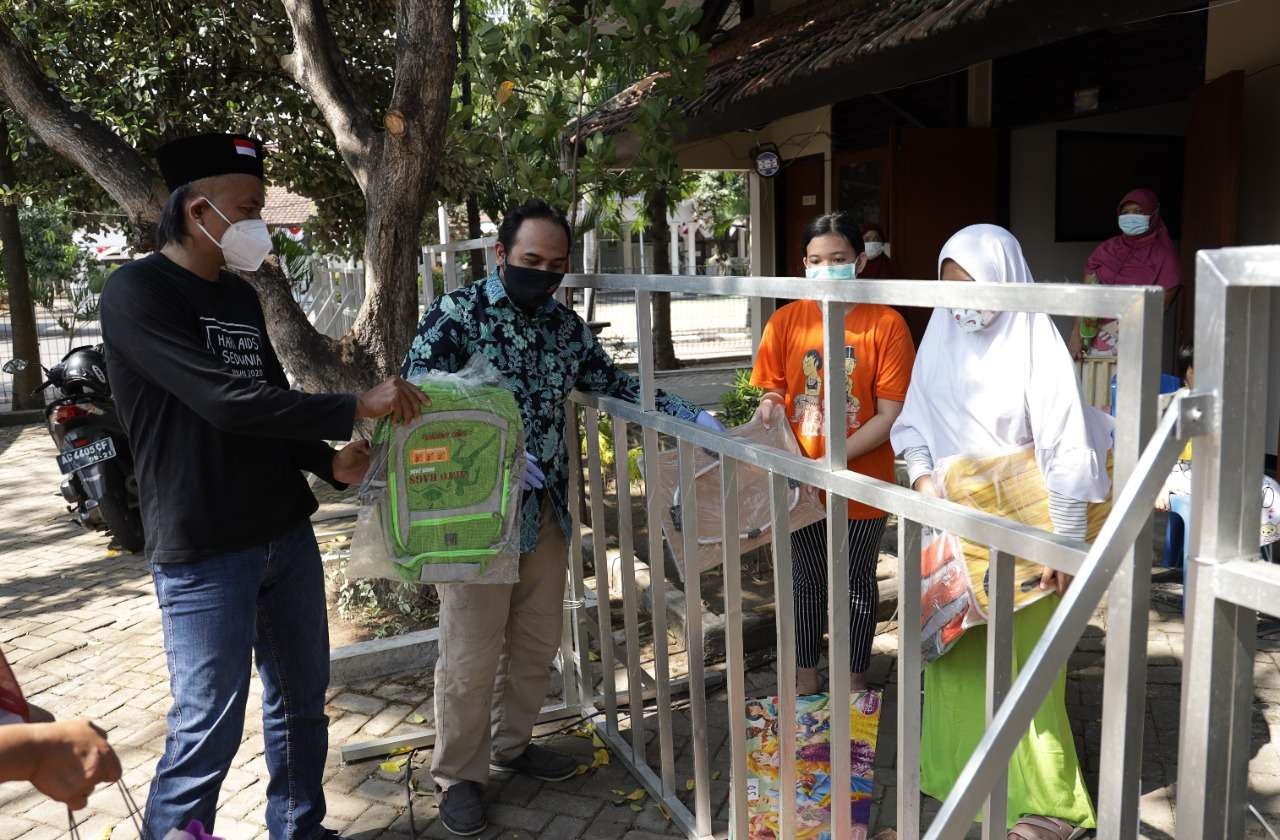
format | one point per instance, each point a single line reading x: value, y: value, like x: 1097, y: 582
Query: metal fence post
x: 785, y: 621
x: 835, y: 411
x: 909, y: 679
x: 599, y: 538
x: 1231, y: 354
x: 1128, y: 599
x: 999, y: 671
x: 695, y: 639
x: 657, y: 555
x: 734, y: 654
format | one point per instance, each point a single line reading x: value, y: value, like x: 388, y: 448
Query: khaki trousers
x: 497, y: 643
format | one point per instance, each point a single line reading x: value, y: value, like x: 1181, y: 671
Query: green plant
x: 608, y: 455
x: 386, y: 606
x: 740, y: 401
x: 294, y: 257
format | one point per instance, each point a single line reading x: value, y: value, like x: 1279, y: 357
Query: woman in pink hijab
x: 1142, y: 255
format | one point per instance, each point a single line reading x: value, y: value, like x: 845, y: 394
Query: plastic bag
x: 1008, y: 485
x: 441, y: 501
x: 1270, y: 512
x: 755, y: 520
x: 195, y: 830
x: 944, y: 594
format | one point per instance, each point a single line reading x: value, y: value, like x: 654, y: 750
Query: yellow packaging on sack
x: 1009, y: 486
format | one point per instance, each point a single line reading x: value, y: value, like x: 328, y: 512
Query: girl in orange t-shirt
x: 878, y: 356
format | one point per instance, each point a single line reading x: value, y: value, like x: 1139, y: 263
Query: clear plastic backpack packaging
x: 441, y: 501
x: 755, y: 519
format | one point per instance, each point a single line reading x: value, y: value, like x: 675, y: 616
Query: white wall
x: 1033, y: 172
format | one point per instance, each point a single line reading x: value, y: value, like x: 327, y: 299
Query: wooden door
x: 861, y: 185
x: 1211, y: 184
x: 802, y: 199
x: 943, y: 179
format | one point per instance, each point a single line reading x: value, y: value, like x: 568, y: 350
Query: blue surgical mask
x: 830, y: 272
x: 1134, y: 224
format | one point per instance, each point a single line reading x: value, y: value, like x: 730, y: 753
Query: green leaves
x: 553, y: 53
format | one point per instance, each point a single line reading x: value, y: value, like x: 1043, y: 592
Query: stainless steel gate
x: 1227, y: 588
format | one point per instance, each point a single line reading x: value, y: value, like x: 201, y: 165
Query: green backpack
x: 450, y: 480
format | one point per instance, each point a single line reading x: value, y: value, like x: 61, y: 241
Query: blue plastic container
x: 1177, y: 545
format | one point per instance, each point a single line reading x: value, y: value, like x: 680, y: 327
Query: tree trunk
x: 473, y: 203
x: 22, y: 313
x: 404, y: 178
x: 664, y: 352
x: 475, y: 232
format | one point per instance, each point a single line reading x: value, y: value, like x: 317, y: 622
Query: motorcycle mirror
x: 14, y: 366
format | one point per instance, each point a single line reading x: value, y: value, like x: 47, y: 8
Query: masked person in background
x: 497, y: 641
x: 876, y: 369
x: 879, y: 265
x: 1141, y: 255
x: 220, y: 443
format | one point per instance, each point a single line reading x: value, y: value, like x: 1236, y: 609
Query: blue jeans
x: 265, y: 602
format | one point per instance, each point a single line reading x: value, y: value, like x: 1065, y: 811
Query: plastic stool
x: 1168, y: 384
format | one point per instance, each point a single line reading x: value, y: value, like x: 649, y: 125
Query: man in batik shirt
x: 497, y: 641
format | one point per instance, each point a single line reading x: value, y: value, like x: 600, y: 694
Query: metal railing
x: 1116, y: 565
x: 1227, y: 585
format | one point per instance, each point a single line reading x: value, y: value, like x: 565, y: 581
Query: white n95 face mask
x: 245, y: 244
x: 874, y: 249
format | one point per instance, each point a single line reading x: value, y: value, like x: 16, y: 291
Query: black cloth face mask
x: 530, y: 288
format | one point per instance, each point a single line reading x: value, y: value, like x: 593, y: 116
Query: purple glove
x: 534, y: 478
x: 708, y: 421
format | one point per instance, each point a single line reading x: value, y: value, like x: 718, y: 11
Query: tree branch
x: 317, y: 65
x: 124, y: 173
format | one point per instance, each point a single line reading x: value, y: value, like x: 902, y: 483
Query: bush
x: 608, y: 457
x: 741, y: 401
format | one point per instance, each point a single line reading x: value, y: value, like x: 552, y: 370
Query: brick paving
x: 81, y: 628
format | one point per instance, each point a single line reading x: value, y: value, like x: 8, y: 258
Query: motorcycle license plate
x: 100, y: 450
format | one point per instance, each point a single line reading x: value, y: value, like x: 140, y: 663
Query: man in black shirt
x: 220, y: 443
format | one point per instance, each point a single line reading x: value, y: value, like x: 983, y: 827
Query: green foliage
x: 741, y: 401
x: 63, y: 276
x: 720, y: 200
x: 159, y: 69
x: 294, y: 257
x: 608, y: 455
x: 548, y: 55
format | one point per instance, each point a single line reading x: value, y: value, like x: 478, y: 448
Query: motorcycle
x: 93, y: 450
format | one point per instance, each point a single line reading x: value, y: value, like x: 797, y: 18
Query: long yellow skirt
x: 1044, y: 773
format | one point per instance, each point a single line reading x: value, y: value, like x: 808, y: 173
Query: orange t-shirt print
x: 878, y: 356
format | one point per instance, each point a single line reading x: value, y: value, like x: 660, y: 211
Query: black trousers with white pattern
x: 809, y: 570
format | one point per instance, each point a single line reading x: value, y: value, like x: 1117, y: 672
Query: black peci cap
x: 206, y: 155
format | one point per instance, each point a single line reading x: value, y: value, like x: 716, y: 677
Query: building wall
x: 1245, y: 35
x: 1033, y: 153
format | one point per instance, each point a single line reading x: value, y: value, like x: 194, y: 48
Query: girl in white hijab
x: 987, y: 384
